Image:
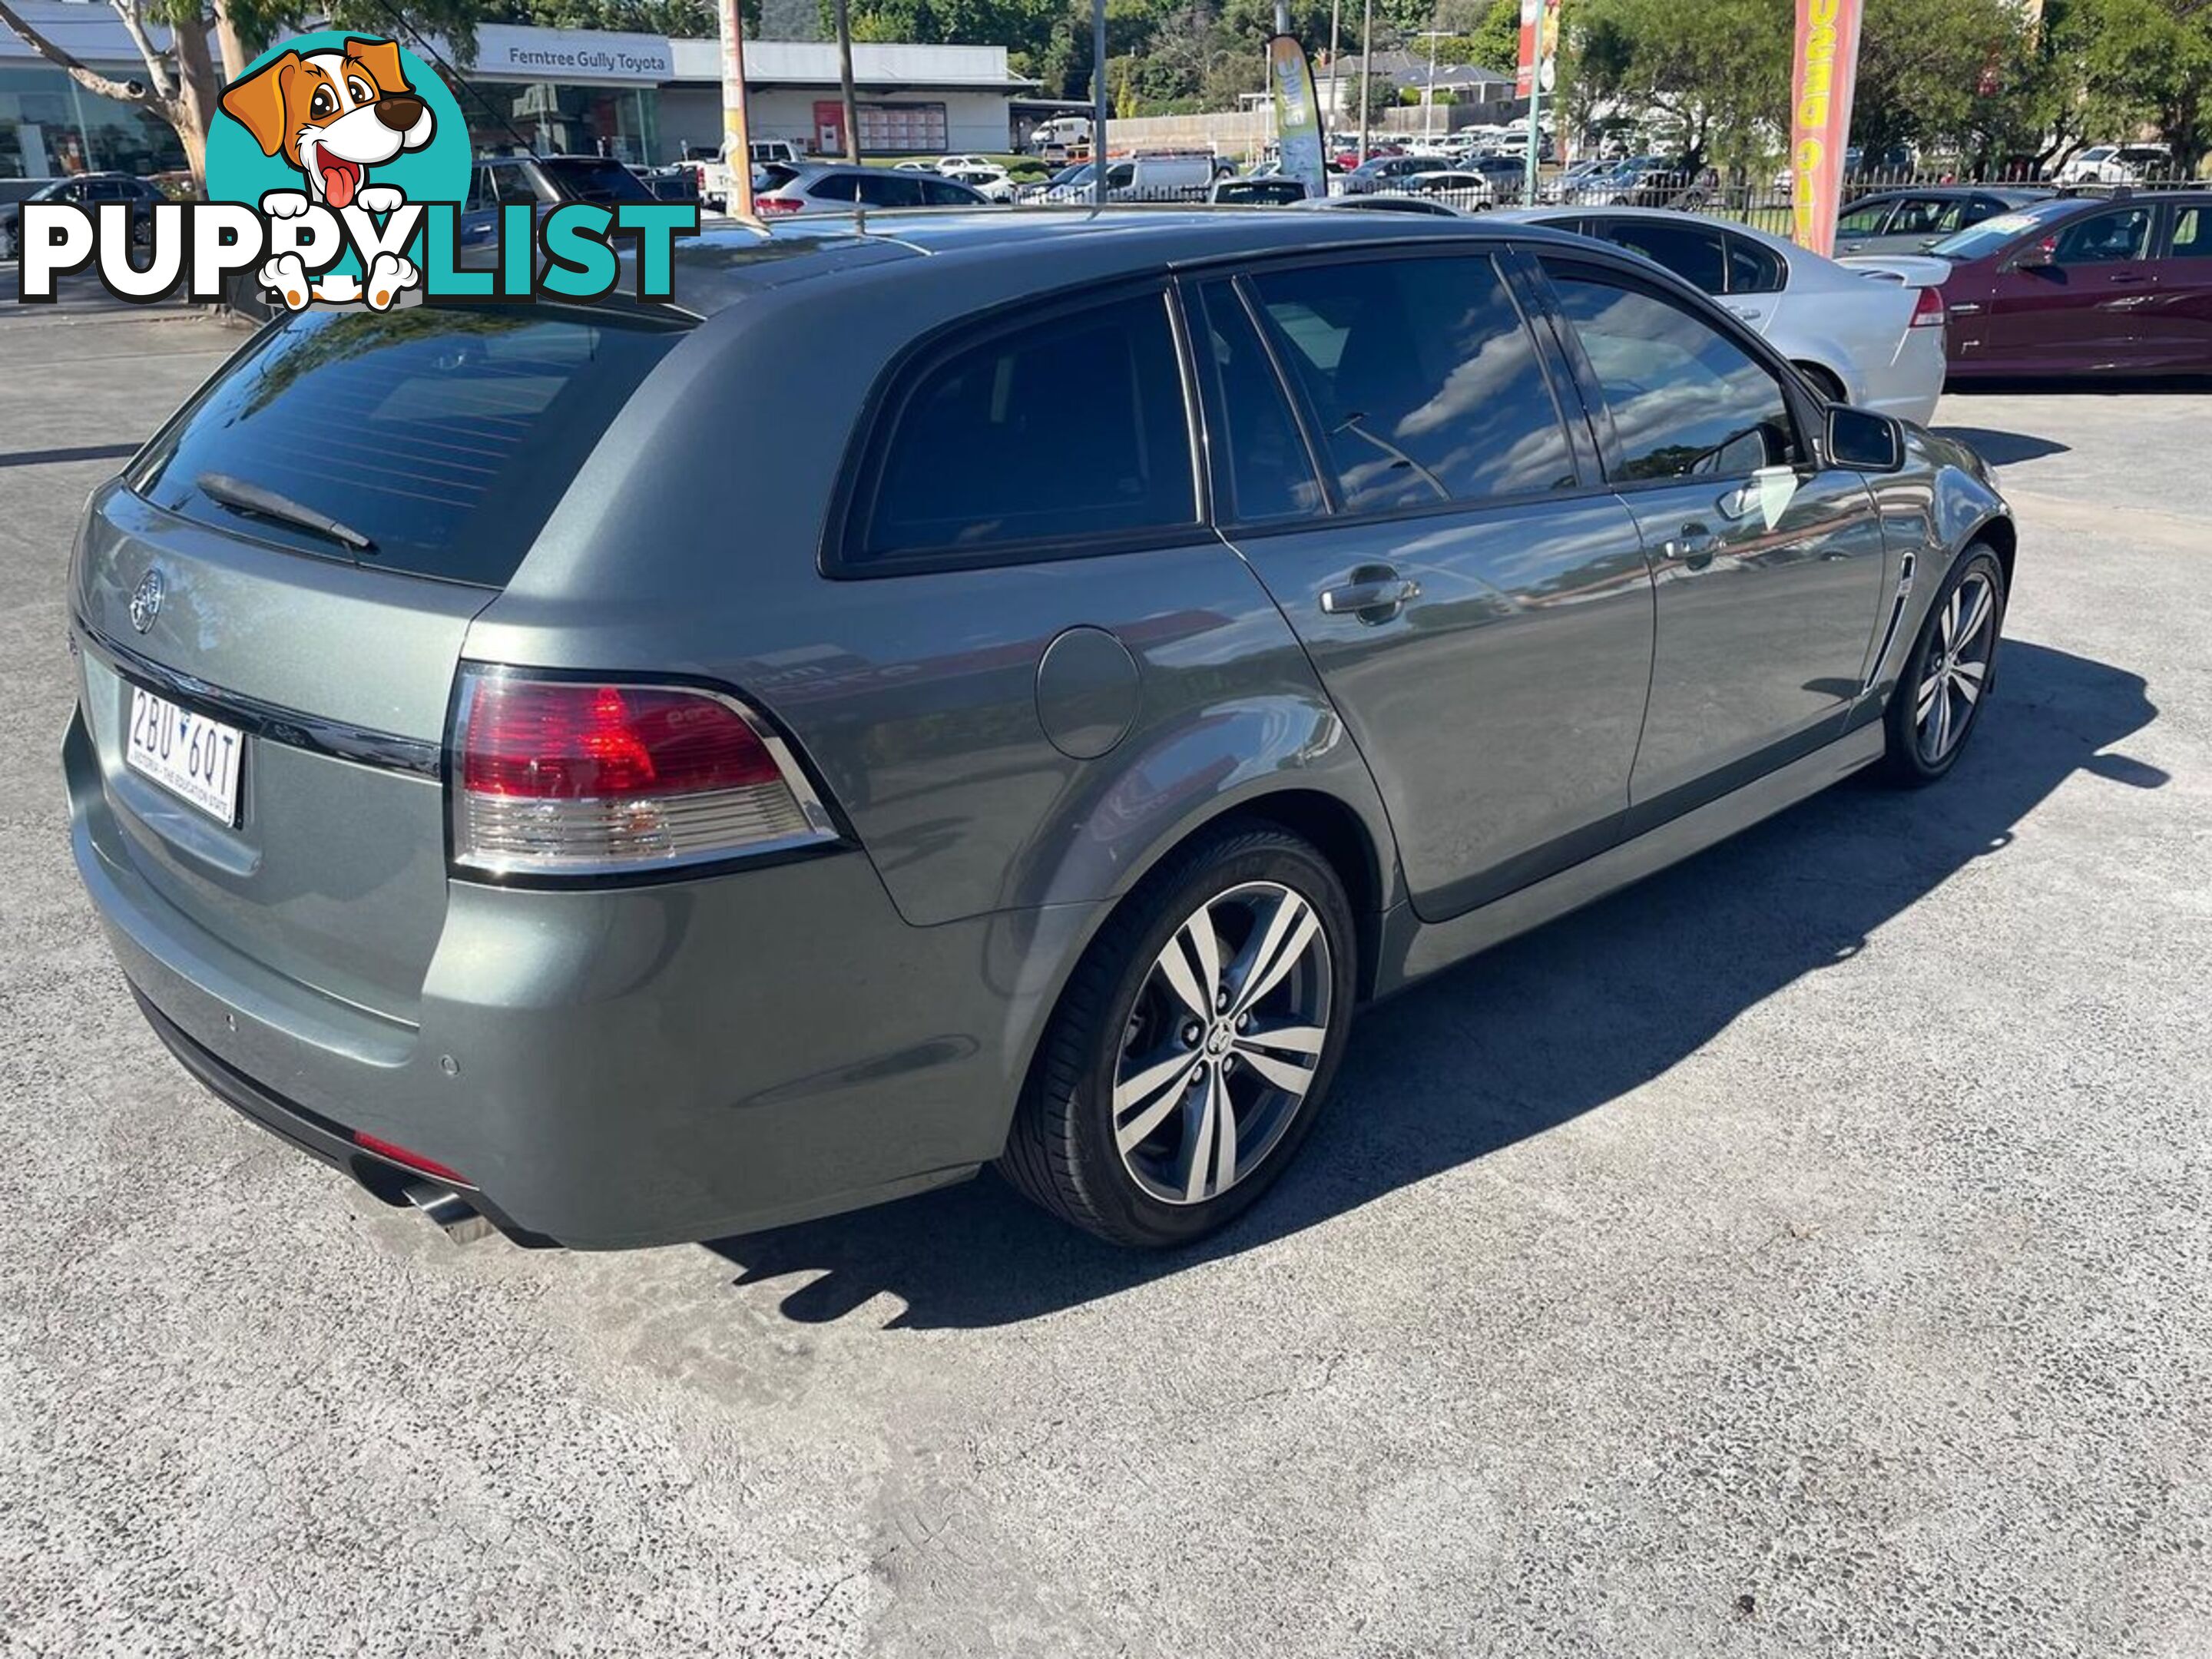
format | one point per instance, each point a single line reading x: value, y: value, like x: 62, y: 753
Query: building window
x: 887, y: 129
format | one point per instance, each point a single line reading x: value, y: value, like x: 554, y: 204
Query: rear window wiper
x: 241, y: 496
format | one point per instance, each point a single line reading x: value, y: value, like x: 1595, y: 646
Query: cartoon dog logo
x: 334, y: 115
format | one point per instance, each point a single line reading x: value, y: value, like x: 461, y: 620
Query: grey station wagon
x: 1156, y: 635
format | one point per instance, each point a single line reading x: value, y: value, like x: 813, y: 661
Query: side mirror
x: 1864, y: 441
x: 2039, y: 257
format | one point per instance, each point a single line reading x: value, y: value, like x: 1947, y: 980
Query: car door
x: 2076, y: 313
x: 1770, y: 572
x: 2177, y: 325
x: 1863, y: 224
x: 1435, y: 527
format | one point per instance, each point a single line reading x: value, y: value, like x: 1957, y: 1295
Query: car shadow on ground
x: 1501, y: 1047
x: 2003, y: 449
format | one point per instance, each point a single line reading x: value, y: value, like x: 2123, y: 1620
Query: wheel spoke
x: 1971, y: 690
x: 1279, y: 1072
x: 1175, y: 968
x: 1942, y: 722
x: 1294, y: 1039
x: 1198, y: 1143
x: 1142, y: 1102
x: 1206, y: 946
x: 1929, y: 688
x: 1977, y: 613
x: 1282, y: 942
x: 1951, y: 623
x: 1225, y: 1135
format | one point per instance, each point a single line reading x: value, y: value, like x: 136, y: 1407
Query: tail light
x: 1928, y: 309
x: 774, y: 204
x: 561, y: 777
x: 392, y: 1152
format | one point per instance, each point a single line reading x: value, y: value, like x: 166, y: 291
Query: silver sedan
x: 1867, y: 337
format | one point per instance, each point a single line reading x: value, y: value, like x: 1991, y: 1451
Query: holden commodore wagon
x: 1158, y: 635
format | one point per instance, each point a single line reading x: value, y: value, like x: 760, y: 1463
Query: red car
x: 2084, y: 285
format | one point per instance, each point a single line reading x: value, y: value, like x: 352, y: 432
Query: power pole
x: 737, y: 140
x: 1335, y: 110
x: 1366, y: 67
x: 845, y: 79
x: 1098, y: 103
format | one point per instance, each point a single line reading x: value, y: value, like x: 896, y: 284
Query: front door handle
x: 1693, y: 546
x: 1374, y: 593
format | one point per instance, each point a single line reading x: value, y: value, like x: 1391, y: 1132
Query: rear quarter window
x: 1040, y: 441
x: 443, y: 433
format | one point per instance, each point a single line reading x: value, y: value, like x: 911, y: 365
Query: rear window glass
x: 442, y: 434
x: 602, y: 180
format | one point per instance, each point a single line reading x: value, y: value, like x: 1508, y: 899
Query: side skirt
x: 1412, y: 949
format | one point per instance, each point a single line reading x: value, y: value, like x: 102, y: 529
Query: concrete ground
x: 1805, y: 1252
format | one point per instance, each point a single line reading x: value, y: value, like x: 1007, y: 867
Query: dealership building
x: 641, y: 98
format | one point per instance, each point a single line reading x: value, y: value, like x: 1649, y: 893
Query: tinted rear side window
x: 1257, y: 448
x: 1691, y: 251
x: 442, y: 434
x: 1424, y: 383
x: 1063, y: 432
x: 1754, y: 268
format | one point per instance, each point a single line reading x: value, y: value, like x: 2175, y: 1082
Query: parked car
x: 2083, y: 285
x: 548, y: 180
x: 2117, y: 164
x: 1913, y: 220
x: 1065, y: 187
x: 1464, y: 186
x: 1877, y: 344
x: 992, y: 184
x: 949, y: 164
x: 837, y: 187
x: 87, y: 190
x: 1387, y: 171
x: 544, y: 845
x: 1388, y: 201
x: 1186, y: 177
x: 1570, y: 186
x: 1253, y: 191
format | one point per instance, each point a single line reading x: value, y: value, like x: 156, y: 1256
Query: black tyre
x: 1194, y: 1045
x: 1946, y: 680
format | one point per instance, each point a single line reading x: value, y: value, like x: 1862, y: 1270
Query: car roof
x: 725, y: 263
x: 2002, y: 193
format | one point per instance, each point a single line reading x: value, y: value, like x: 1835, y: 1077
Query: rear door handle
x: 1375, y: 593
x: 1693, y: 546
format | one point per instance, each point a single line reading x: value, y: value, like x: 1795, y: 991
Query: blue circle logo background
x: 237, y: 171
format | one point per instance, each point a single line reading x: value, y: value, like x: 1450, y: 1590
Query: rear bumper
x: 613, y: 1068
x: 1909, y: 385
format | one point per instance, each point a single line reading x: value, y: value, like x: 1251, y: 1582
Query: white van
x: 1186, y: 176
x: 1055, y: 138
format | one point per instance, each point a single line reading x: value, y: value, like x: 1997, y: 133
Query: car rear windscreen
x: 442, y: 434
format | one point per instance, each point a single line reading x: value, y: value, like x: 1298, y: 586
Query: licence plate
x: 189, y: 755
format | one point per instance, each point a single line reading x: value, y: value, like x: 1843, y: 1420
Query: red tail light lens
x: 1928, y: 309
x: 767, y: 205
x: 414, y: 1161
x: 580, y: 778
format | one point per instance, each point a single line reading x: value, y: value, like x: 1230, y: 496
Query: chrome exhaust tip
x: 451, y: 1213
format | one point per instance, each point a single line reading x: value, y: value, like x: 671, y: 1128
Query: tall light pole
x: 737, y: 146
x: 1335, y: 109
x: 845, y: 80
x: 1098, y: 103
x: 1429, y: 98
x: 1366, y: 67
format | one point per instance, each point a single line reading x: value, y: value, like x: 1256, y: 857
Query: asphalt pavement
x: 1805, y: 1252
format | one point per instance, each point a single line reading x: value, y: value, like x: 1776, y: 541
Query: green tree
x: 1719, y: 69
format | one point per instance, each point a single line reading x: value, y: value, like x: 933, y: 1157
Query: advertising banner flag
x: 1297, y: 113
x: 1828, y: 71
x: 1540, y: 48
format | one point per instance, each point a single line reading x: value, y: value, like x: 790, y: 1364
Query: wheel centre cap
x: 1219, y: 1039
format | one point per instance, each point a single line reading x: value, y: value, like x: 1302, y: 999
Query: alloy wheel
x: 1956, y: 669
x: 1223, y: 1043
